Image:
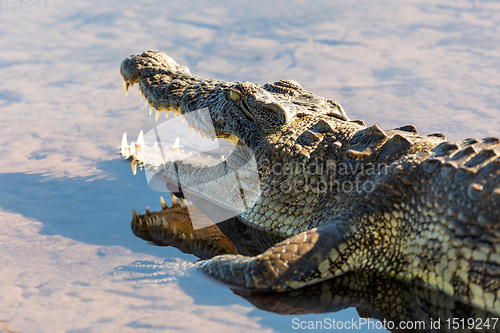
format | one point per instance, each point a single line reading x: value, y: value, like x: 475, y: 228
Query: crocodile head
x: 272, y: 124
x: 241, y: 111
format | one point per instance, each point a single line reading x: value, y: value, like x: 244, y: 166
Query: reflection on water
x: 395, y: 304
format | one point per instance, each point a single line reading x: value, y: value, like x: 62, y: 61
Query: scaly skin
x: 348, y: 197
x: 372, y: 295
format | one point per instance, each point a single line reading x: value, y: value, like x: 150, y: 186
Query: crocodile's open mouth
x: 188, y: 156
x: 175, y: 140
x: 172, y: 226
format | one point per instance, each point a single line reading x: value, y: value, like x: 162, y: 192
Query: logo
x: 218, y: 178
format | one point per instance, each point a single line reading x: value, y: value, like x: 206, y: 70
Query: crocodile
x: 344, y: 197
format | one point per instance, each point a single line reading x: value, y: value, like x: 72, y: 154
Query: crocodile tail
x: 304, y: 259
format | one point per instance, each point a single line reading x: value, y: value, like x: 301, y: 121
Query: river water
x: 66, y: 197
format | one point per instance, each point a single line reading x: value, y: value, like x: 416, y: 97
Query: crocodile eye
x: 234, y: 96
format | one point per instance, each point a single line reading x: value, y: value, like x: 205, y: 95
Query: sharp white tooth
x: 183, y: 118
x: 183, y: 236
x: 165, y: 222
x: 175, y: 200
x: 176, y: 144
x: 140, y: 139
x: 175, y: 232
x: 157, y: 115
x: 162, y: 203
x: 124, y: 148
x: 191, y: 237
x: 134, y: 167
x: 140, y: 154
x: 132, y: 149
x: 166, y: 114
x: 124, y: 139
x: 127, y: 86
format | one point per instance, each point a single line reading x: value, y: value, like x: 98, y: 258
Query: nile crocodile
x: 344, y: 196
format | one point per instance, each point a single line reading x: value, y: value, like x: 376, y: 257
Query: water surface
x: 66, y: 197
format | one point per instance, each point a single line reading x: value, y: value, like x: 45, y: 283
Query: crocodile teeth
x: 166, y: 114
x: 140, y: 139
x: 176, y: 143
x: 157, y: 115
x: 164, y: 222
x: 139, y: 155
x: 162, y: 203
x: 157, y: 221
x: 175, y: 232
x: 175, y: 200
x: 127, y: 87
x: 125, y: 151
x: 134, y: 166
